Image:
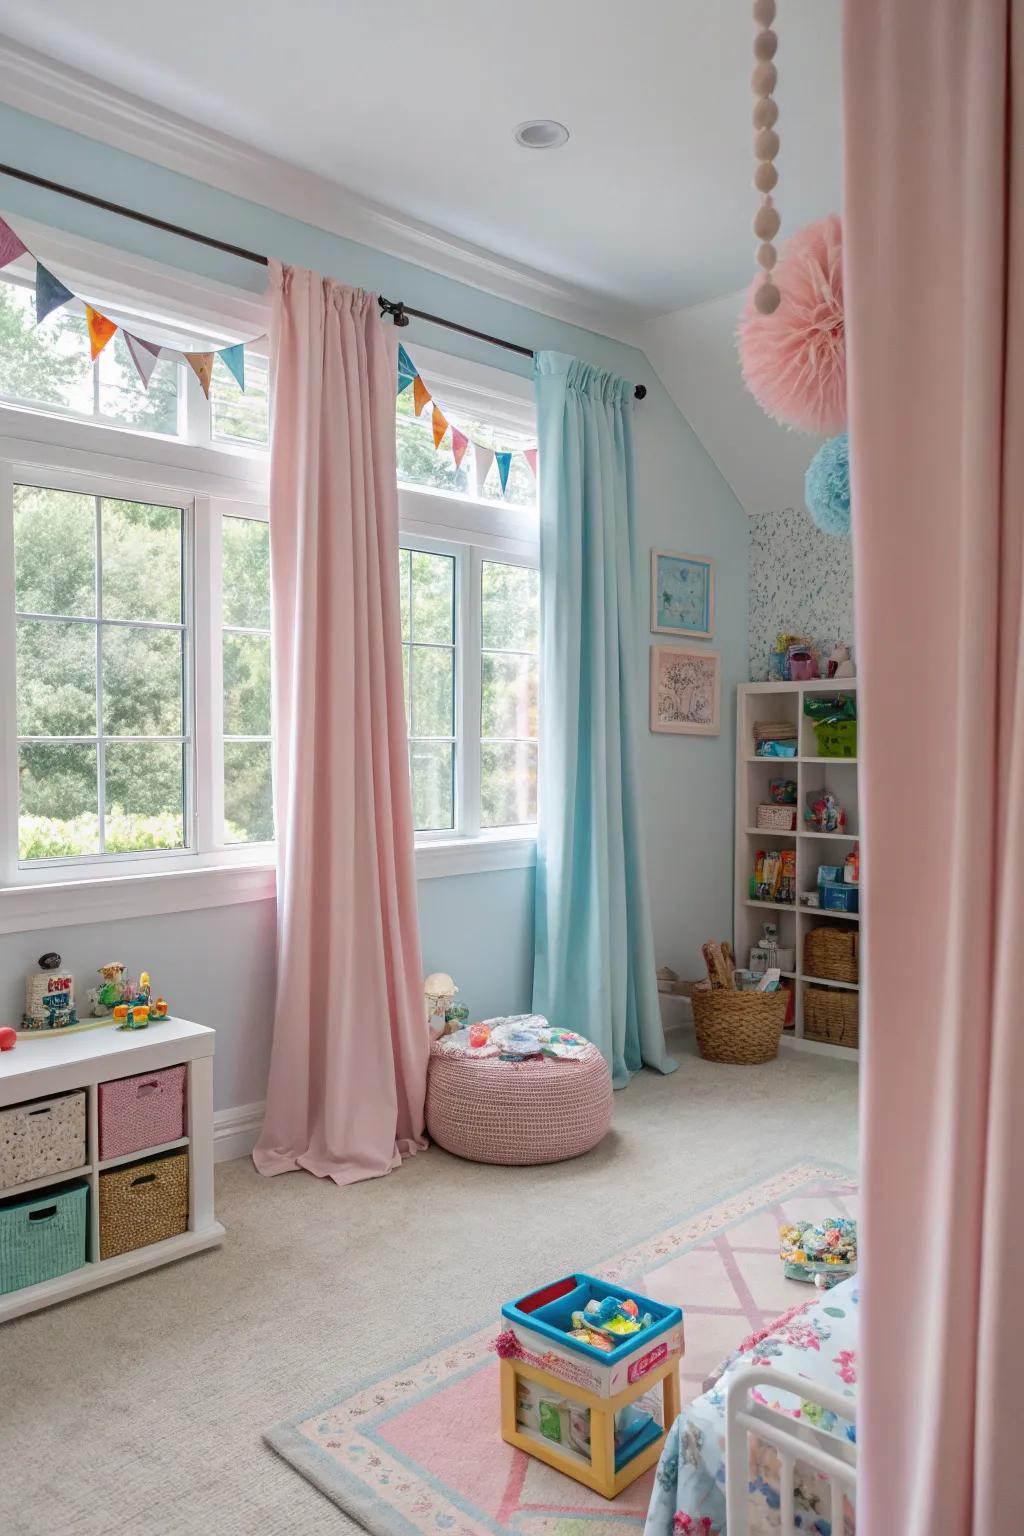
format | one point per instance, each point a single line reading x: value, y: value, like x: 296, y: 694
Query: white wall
x: 694, y: 354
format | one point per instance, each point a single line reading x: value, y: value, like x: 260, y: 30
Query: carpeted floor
x: 138, y: 1410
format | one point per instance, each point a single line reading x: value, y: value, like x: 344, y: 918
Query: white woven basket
x: 776, y: 818
x: 42, y: 1137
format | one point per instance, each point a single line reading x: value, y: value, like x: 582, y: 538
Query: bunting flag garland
x: 201, y: 364
x: 10, y: 245
x: 100, y: 330
x: 143, y: 354
x: 52, y: 294
x: 459, y: 442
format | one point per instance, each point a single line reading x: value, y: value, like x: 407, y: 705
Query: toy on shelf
x: 611, y: 1318
x: 117, y: 996
x: 785, y: 645
x: 822, y: 1252
x: 8, y: 1038
x: 823, y: 813
x: 840, y: 663
x: 440, y: 992
x: 774, y: 877
x: 49, y: 996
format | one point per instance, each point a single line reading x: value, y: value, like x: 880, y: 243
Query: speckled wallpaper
x: 800, y: 580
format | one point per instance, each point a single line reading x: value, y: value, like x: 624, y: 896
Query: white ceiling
x: 412, y: 103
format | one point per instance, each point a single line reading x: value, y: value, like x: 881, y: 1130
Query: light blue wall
x: 476, y: 927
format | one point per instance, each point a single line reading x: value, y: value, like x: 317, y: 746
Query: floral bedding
x: 819, y: 1342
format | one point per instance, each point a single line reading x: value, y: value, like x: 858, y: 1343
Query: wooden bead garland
x: 766, y: 147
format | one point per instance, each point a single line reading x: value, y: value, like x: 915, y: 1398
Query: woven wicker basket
x: 832, y: 1016
x: 831, y: 954
x: 739, y: 1027
x: 776, y: 818
x: 143, y: 1203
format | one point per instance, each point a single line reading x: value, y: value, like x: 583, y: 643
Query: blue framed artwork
x: 682, y: 594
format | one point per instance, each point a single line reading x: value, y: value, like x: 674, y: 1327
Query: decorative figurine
x: 440, y: 992
x: 49, y: 997
x: 114, y: 988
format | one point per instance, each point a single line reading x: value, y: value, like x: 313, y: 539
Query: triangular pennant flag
x: 484, y: 460
x: 50, y: 293
x: 530, y: 455
x: 144, y: 354
x: 201, y: 364
x: 406, y: 369
x: 100, y: 330
x: 10, y: 245
x: 460, y: 442
x: 504, y: 465
x: 421, y: 395
x: 233, y: 359
x: 440, y: 426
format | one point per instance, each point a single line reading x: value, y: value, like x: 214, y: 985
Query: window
x: 102, y: 662
x: 470, y: 615
x: 134, y: 596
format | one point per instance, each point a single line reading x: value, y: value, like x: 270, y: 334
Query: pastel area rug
x: 418, y: 1449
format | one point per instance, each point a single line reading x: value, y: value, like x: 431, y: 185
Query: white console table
x: 40, y: 1068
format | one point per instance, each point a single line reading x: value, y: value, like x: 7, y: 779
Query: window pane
x: 510, y: 596
x: 509, y: 696
x: 246, y: 685
x: 46, y: 365
x: 58, y: 813
x: 248, y: 796
x: 403, y: 591
x: 142, y: 681
x: 123, y: 398
x: 239, y: 417
x: 142, y: 561
x: 433, y: 794
x: 508, y: 784
x: 433, y: 598
x: 145, y: 796
x: 433, y: 701
x: 54, y: 550
x: 245, y: 567
x: 406, y: 663
x: 56, y: 682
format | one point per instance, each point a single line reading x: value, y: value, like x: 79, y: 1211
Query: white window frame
x: 211, y: 481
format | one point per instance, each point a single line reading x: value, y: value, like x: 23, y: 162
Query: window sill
x: 475, y: 855
x: 64, y: 903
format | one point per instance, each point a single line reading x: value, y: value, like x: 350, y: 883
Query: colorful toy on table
x: 822, y: 1253
x: 49, y: 996
x: 479, y: 1035
x: 611, y: 1319
x: 823, y: 813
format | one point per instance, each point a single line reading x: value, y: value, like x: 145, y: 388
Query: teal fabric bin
x: 42, y: 1235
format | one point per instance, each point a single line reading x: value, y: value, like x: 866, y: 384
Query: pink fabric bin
x: 143, y: 1111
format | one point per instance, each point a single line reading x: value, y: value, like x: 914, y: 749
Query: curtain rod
x: 398, y: 312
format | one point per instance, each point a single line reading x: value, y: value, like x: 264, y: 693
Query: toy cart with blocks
x: 577, y: 1407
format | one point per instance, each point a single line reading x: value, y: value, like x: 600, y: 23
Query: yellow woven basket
x: 143, y: 1203
x: 739, y: 1027
x: 831, y: 954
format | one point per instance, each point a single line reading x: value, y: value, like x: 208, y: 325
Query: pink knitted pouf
x: 532, y: 1111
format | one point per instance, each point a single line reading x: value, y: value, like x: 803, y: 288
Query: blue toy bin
x: 548, y: 1312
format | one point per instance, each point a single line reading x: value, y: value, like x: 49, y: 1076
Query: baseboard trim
x: 235, y: 1131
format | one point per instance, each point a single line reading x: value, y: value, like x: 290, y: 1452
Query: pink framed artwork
x: 686, y: 689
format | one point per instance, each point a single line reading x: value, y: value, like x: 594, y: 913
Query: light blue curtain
x: 594, y: 953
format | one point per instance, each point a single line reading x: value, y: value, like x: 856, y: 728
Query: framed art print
x: 682, y: 595
x: 686, y: 687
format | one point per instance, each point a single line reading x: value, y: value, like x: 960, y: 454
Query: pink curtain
x: 349, y: 1060
x: 934, y: 93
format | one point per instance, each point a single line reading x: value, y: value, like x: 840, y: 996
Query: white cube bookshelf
x: 785, y: 701
x: 42, y: 1066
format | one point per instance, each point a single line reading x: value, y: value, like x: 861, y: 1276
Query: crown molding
x: 72, y: 99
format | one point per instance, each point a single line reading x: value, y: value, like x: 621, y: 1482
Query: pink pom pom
x: 506, y: 1345
x: 794, y: 360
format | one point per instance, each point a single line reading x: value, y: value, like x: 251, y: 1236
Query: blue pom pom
x: 827, y: 486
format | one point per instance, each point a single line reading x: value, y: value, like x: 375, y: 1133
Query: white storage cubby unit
x: 41, y: 1067
x: 775, y: 702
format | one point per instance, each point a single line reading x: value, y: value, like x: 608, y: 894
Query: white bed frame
x: 835, y: 1459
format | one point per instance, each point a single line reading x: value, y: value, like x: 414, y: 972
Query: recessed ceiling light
x: 541, y: 133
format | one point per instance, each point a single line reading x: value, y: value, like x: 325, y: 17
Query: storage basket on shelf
x: 776, y: 818
x: 137, y: 1113
x: 739, y: 1027
x: 830, y: 954
x: 832, y: 1016
x: 42, y: 1235
x: 143, y: 1203
x: 41, y: 1137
